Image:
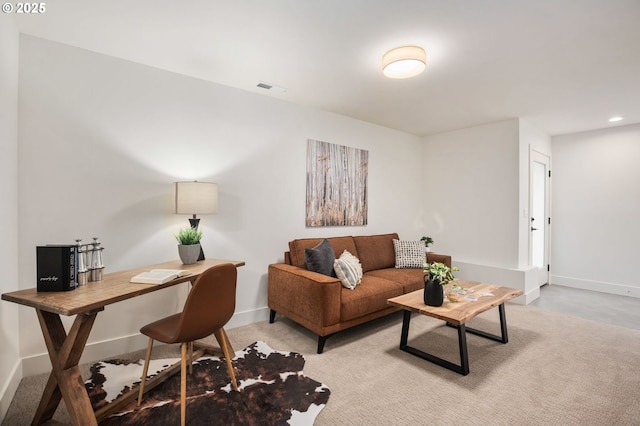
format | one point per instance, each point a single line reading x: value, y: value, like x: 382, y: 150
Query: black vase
x: 433, y: 294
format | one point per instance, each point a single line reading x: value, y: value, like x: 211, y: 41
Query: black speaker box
x: 57, y: 267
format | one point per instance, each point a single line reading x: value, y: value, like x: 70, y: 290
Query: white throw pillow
x: 348, y: 269
x: 409, y: 254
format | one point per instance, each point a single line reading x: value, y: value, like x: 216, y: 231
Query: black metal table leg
x: 503, y: 324
x: 464, y: 354
x: 503, y: 338
x: 406, y: 319
x: 463, y: 368
x: 464, y: 359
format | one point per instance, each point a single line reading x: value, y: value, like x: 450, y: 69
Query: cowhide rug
x: 273, y: 391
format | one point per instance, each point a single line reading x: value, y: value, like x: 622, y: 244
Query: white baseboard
x: 248, y: 317
x: 94, y: 351
x: 9, y: 389
x: 527, y: 297
x: 601, y: 286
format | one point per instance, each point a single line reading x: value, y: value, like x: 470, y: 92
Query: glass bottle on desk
x: 96, y: 261
x: 83, y: 271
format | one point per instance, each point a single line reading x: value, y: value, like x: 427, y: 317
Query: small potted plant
x: 437, y: 276
x: 427, y: 241
x: 189, y: 245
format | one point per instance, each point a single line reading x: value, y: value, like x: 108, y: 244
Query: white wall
x: 10, y: 370
x: 102, y: 140
x: 471, y: 193
x: 476, y: 197
x: 596, y: 205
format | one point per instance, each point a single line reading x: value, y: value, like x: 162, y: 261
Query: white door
x: 539, y: 178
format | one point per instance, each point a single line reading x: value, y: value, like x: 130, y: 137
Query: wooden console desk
x: 65, y: 350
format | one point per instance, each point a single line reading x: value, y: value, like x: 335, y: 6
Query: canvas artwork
x: 336, y: 185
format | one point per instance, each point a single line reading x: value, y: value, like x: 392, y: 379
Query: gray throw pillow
x: 320, y: 258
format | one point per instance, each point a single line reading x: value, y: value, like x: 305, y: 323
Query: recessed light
x: 614, y: 119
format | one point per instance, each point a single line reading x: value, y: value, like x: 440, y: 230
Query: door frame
x: 545, y: 159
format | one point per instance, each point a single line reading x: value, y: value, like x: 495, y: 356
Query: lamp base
x: 194, y: 222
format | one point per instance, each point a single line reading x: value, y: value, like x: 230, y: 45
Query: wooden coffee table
x: 456, y: 315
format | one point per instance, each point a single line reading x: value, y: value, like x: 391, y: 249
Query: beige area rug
x: 555, y: 370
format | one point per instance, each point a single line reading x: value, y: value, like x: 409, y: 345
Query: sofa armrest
x: 442, y: 258
x: 304, y: 296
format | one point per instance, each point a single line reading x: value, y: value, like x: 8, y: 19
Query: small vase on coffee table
x: 433, y: 294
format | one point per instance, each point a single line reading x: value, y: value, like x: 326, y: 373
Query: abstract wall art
x: 336, y: 185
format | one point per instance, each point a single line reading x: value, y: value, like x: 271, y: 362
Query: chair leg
x: 226, y: 338
x: 190, y: 357
x: 145, y: 370
x: 183, y: 385
x: 224, y: 344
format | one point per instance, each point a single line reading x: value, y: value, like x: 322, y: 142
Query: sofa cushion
x: 410, y: 279
x: 409, y: 254
x: 339, y: 244
x: 348, y: 270
x: 369, y: 296
x: 376, y: 251
x: 320, y: 258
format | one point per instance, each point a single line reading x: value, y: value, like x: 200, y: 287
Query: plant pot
x: 189, y: 253
x: 433, y: 294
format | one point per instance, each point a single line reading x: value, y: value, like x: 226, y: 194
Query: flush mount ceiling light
x: 614, y: 119
x: 404, y: 62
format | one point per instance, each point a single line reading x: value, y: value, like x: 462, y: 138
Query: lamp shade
x: 404, y: 62
x: 196, y: 198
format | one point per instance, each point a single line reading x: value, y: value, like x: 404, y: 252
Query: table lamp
x: 196, y: 198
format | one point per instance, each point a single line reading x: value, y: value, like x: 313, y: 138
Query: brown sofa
x: 321, y: 303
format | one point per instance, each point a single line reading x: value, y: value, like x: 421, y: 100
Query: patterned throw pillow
x: 320, y: 258
x: 409, y: 254
x: 348, y: 270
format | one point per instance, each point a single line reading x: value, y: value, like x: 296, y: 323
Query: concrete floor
x: 623, y: 311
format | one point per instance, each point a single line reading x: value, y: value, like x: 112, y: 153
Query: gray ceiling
x: 565, y: 65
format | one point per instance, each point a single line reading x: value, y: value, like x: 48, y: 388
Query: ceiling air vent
x: 272, y: 87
